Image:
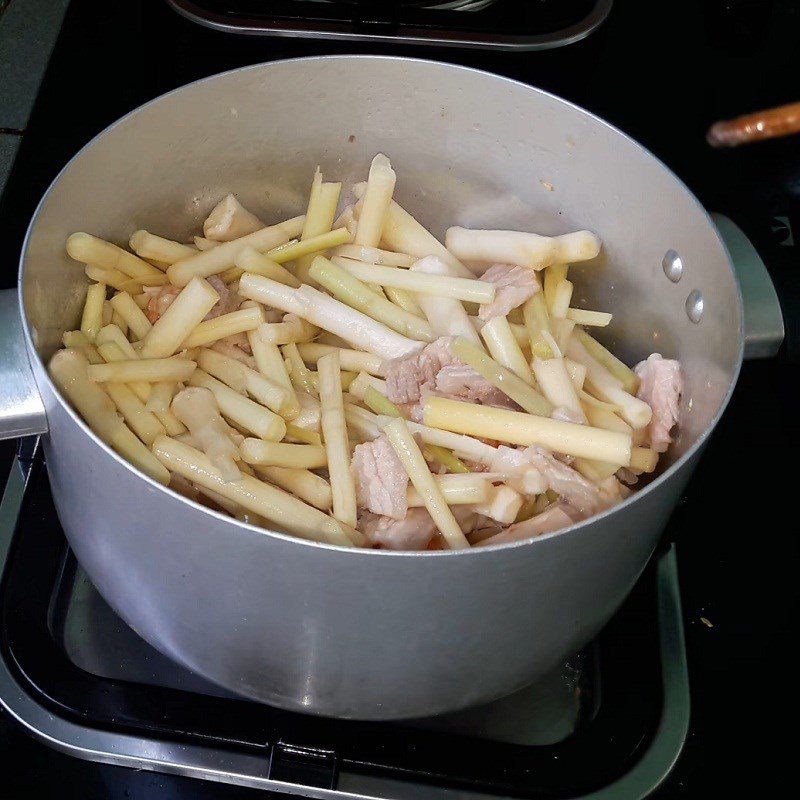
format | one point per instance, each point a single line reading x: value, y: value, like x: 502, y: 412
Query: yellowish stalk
x: 502, y: 378
x: 337, y: 445
x: 503, y: 347
x: 92, y: 319
x: 516, y: 427
x: 220, y: 258
x: 407, y: 449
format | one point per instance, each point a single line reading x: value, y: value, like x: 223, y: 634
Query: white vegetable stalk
x: 269, y: 363
x: 302, y: 377
x: 562, y: 331
x: 353, y: 360
x: 446, y: 315
x: 151, y: 370
x: 561, y: 299
x: 218, y: 259
x: 243, y: 379
x: 457, y: 490
x: 99, y: 253
x: 643, y: 460
x: 350, y: 290
x: 517, y: 427
x: 403, y: 234
x: 503, y: 505
x: 522, y: 249
x: 92, y: 318
x: 229, y: 220
x: 141, y: 421
x: 79, y: 341
x: 623, y: 373
x: 281, y: 454
x: 577, y: 373
x: 520, y: 331
x: 241, y: 410
x: 161, y: 396
x: 553, y: 276
x: 463, y: 446
x: 113, y: 346
x: 68, y: 368
x: 334, y: 434
x: 418, y: 281
x: 322, y: 202
x: 212, y: 330
x: 362, y: 422
x: 306, y: 485
x: 557, y: 386
x: 275, y: 505
x: 181, y: 317
x: 597, y: 319
x: 609, y: 388
x: 293, y: 329
x: 377, y: 197
x: 356, y: 328
x: 113, y: 278
x: 124, y: 305
x: 310, y: 413
x: 411, y: 457
x: 604, y: 418
x: 363, y: 381
x: 148, y: 245
x: 373, y: 255
x: 503, y: 347
x: 250, y: 260
x: 201, y: 243
x: 503, y: 379
x: 404, y: 299
x: 197, y: 409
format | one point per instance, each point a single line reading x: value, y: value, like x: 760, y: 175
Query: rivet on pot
x: 673, y: 265
x: 694, y: 305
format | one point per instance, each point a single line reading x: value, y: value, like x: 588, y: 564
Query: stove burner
x: 491, y: 24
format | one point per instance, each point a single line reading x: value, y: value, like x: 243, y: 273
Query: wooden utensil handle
x: 768, y: 124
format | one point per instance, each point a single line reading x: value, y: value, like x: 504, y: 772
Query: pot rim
x: 243, y: 527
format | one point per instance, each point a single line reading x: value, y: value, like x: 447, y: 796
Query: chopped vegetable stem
x: 506, y: 381
x: 516, y: 427
x: 334, y: 434
x: 408, y: 452
x: 503, y: 348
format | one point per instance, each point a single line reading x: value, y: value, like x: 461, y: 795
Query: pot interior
x: 469, y: 148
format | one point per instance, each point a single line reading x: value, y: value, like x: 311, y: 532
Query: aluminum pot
x: 316, y: 628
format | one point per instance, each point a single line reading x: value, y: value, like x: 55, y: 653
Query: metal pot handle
x: 763, y: 321
x: 21, y: 407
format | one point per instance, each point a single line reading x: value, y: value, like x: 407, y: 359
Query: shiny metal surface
x: 673, y: 266
x: 695, y: 305
x: 376, y: 635
x: 763, y: 321
x: 21, y: 408
x: 403, y: 35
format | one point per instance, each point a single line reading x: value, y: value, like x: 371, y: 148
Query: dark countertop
x: 662, y: 73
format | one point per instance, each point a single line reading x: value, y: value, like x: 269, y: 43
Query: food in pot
x: 354, y: 381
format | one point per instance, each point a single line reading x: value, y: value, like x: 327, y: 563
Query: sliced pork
x: 412, y: 533
x: 381, y: 479
x: 661, y: 387
x: 514, y: 285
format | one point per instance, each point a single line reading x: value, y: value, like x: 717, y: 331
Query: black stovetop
x: 663, y: 73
